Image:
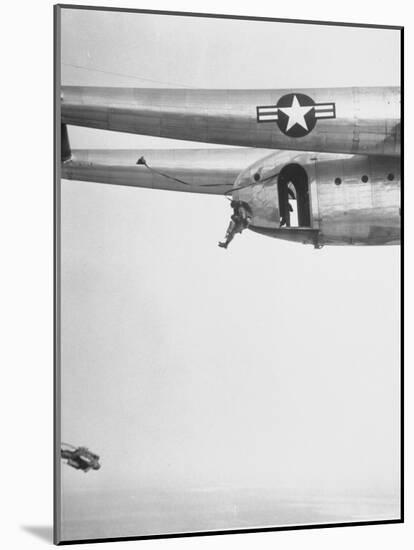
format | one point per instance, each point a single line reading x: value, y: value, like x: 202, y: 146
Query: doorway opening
x: 293, y: 193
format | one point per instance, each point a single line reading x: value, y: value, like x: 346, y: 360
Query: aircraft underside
x: 311, y: 198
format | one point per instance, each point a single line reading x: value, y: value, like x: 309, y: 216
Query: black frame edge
x: 234, y: 532
x: 56, y: 276
x: 229, y: 16
x: 402, y: 259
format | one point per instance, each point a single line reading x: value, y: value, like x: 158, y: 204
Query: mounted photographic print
x: 228, y: 276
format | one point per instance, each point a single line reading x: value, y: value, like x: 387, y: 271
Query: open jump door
x: 293, y: 195
x: 297, y: 202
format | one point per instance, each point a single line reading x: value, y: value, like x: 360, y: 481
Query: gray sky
x: 183, y: 365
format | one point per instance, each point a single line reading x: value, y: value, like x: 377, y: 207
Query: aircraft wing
x: 333, y: 120
x: 210, y: 171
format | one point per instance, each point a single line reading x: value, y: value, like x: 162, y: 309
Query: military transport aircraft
x: 318, y: 166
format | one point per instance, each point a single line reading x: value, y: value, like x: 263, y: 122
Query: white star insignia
x: 296, y: 114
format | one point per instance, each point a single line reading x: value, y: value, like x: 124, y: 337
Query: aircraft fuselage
x: 340, y: 199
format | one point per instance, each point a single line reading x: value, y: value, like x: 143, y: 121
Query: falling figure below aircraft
x: 79, y: 458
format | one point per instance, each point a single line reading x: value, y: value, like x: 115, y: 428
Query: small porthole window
x: 256, y: 176
x: 390, y: 177
x: 364, y: 178
x: 338, y: 181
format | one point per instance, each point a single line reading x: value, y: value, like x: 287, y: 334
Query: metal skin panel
x: 365, y: 120
x: 257, y: 186
x: 357, y: 211
x: 353, y: 212
x: 210, y: 171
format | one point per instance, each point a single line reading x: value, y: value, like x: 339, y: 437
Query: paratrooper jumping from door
x: 240, y: 220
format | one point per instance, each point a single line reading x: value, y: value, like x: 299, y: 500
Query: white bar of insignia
x: 269, y: 116
x: 324, y: 115
x: 323, y: 106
